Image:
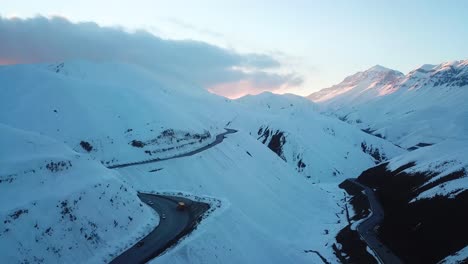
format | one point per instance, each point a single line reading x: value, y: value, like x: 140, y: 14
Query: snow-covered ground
x: 268, y: 214
x: 118, y: 113
x: 62, y: 124
x: 110, y: 113
x: 439, y: 160
x: 121, y: 113
x: 319, y: 147
x: 61, y: 207
x: 457, y: 258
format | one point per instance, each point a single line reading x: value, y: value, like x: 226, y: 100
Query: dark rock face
x: 352, y: 249
x: 86, y: 146
x: 422, y: 231
x: 276, y: 143
x: 450, y: 77
x: 274, y: 140
x: 374, y: 152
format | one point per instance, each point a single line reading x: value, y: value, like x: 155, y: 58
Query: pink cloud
x: 4, y: 61
x: 54, y: 39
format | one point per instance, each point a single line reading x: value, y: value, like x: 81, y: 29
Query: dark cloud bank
x: 55, y: 39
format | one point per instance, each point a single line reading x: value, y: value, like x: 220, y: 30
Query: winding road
x: 173, y: 224
x: 219, y: 139
x: 367, y: 228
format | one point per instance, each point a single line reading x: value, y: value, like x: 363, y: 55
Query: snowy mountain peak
x: 368, y: 82
x: 378, y: 68
x: 433, y: 93
x: 376, y: 73
x: 380, y: 81
x: 449, y: 74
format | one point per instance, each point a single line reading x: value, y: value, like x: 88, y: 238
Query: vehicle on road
x: 150, y: 202
x: 140, y: 243
x: 181, y: 206
x: 163, y: 216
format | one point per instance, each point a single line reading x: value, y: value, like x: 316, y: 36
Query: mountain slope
x: 120, y: 113
x: 431, y: 186
x: 117, y: 113
x: 319, y: 147
x: 82, y: 115
x: 425, y: 112
x: 358, y: 88
x: 114, y: 113
x: 425, y: 106
x: 267, y: 214
x: 59, y: 206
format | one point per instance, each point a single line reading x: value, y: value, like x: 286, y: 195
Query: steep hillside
x: 117, y: 113
x: 60, y: 207
x: 120, y: 114
x: 272, y: 184
x: 113, y: 113
x: 422, y: 191
x: 421, y: 108
x: 319, y: 147
x: 267, y: 214
x: 424, y: 194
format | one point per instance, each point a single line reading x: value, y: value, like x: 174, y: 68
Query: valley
x: 108, y: 157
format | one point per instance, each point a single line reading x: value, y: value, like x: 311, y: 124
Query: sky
x: 234, y: 47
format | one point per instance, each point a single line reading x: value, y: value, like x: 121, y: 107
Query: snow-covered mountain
x: 358, y: 88
x: 426, y: 112
x: 121, y: 114
x: 274, y: 181
x: 105, y: 114
x: 432, y: 189
x: 267, y: 213
x: 423, y: 107
x: 62, y: 207
x: 118, y: 113
x: 319, y: 147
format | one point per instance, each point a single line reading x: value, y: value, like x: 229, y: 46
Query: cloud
x: 188, y: 26
x: 41, y: 39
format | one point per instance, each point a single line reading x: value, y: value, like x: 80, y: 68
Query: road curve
x: 175, y: 225
x: 219, y: 139
x: 366, y: 228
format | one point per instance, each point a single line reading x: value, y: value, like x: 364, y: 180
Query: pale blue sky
x: 323, y: 41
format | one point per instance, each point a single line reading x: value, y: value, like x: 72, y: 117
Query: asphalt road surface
x: 219, y: 139
x: 175, y: 225
x: 367, y: 228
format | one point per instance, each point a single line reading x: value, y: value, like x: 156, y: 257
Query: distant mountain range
x: 426, y: 106
x: 425, y: 112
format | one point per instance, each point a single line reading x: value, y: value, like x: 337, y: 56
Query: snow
x: 268, y: 211
x: 107, y: 105
x: 459, y: 257
x: 441, y: 159
x: 111, y: 106
x: 272, y: 215
x: 355, y: 89
x: 330, y: 149
x: 428, y: 105
x: 59, y: 206
x: 62, y: 124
